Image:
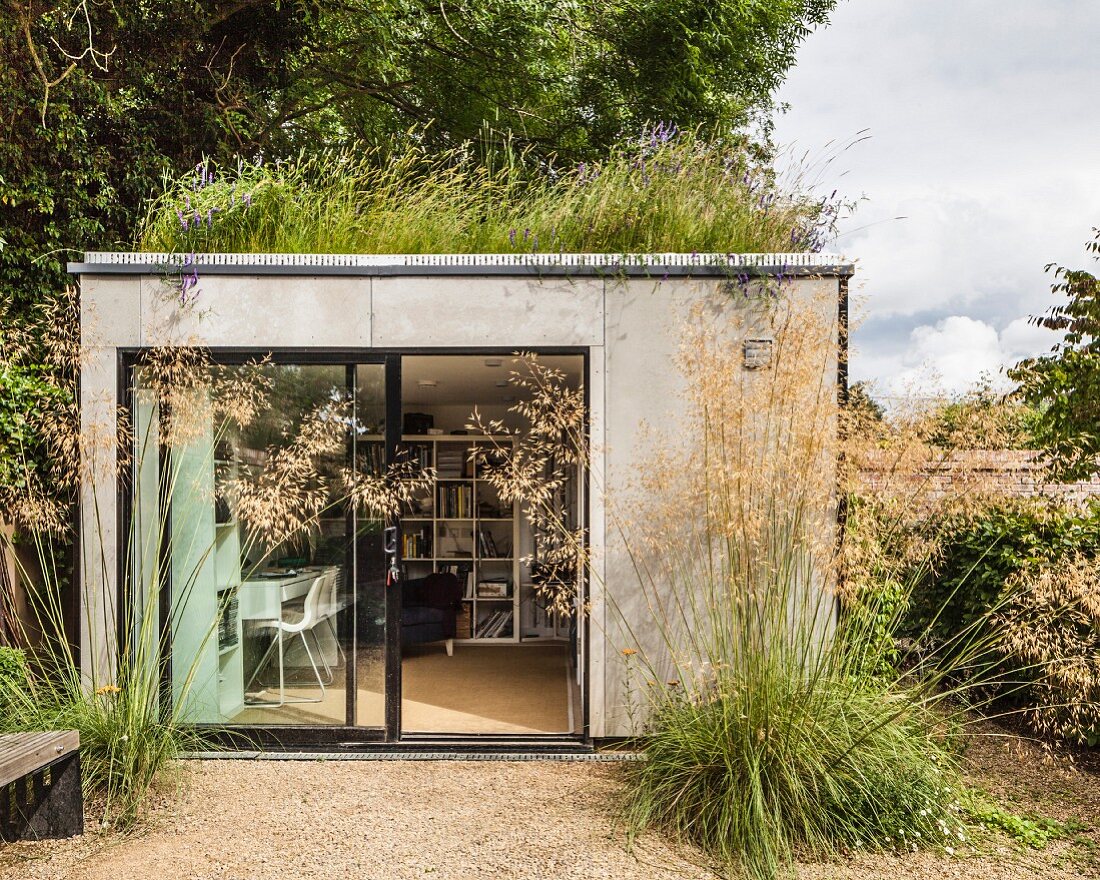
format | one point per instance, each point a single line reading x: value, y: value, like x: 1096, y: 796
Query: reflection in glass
x: 253, y: 460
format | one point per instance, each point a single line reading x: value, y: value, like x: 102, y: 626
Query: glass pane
x: 253, y: 460
x: 370, y: 460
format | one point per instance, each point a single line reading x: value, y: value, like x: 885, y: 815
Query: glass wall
x: 241, y: 497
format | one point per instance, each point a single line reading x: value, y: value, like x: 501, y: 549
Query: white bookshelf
x: 462, y: 522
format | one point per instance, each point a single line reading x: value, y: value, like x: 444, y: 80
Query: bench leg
x: 450, y: 647
x: 58, y: 811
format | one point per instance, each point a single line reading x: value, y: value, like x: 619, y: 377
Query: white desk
x: 262, y: 598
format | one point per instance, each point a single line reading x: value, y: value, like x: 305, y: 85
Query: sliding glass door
x: 256, y: 583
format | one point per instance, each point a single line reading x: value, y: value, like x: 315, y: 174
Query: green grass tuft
x: 650, y: 194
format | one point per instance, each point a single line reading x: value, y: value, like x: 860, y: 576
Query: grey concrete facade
x: 627, y: 323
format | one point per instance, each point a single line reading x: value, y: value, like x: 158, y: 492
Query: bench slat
x: 23, y: 753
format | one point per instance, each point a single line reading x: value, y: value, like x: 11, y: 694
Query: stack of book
x: 451, y: 461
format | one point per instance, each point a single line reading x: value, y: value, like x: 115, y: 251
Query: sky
x: 983, y: 125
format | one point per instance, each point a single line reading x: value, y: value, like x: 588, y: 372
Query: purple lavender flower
x: 512, y: 237
x: 247, y: 200
x: 183, y: 220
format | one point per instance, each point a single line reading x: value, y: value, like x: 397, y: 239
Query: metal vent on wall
x: 758, y: 353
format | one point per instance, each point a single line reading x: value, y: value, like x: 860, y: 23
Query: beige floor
x: 481, y: 689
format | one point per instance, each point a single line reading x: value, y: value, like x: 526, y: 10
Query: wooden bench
x: 40, y: 794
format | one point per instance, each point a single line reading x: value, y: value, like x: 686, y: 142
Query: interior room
x: 512, y: 665
x: 301, y: 620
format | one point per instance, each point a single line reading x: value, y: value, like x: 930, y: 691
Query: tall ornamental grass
x: 132, y: 721
x: 773, y: 721
x: 664, y: 191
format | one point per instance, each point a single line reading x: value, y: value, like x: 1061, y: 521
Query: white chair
x: 331, y: 605
x: 296, y: 623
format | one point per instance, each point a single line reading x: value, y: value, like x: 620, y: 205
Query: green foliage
x: 786, y: 762
x: 978, y: 551
x: 26, y: 393
x: 564, y: 78
x: 1030, y: 831
x: 864, y: 404
x: 14, y: 676
x: 1049, y: 629
x: 662, y: 192
x: 984, y: 419
x: 1065, y: 385
x: 171, y: 81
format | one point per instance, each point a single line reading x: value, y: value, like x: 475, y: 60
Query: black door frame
x: 348, y: 735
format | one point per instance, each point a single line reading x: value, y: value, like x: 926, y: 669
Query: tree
x: 564, y: 78
x: 101, y: 99
x: 1064, y: 386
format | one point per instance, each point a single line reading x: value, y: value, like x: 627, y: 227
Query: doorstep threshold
x: 430, y: 747
x: 401, y: 755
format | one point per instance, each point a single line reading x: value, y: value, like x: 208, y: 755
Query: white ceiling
x: 465, y: 379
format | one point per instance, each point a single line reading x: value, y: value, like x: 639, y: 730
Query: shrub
x: 783, y: 763
x: 980, y: 549
x: 1050, y: 630
x: 771, y: 728
x: 14, y: 677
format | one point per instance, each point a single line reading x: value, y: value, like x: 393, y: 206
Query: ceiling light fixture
x: 427, y: 383
x: 493, y: 362
x: 503, y: 383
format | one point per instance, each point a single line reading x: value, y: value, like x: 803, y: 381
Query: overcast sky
x: 984, y: 124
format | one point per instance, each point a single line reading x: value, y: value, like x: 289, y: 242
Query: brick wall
x: 1001, y: 472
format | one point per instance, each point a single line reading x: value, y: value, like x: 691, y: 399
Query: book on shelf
x: 372, y: 457
x: 417, y: 544
x: 418, y: 455
x: 495, y: 624
x: 486, y: 544
x: 456, y: 502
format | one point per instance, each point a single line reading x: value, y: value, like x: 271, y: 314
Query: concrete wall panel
x: 265, y: 311
x: 471, y: 312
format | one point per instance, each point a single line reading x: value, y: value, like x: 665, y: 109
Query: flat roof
x: 650, y: 265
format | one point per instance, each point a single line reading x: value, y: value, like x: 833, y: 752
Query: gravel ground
x: 452, y: 820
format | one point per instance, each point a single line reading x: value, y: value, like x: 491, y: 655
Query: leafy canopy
x: 1065, y: 384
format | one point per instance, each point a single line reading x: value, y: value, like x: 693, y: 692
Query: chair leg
x: 313, y: 663
x: 277, y: 642
x: 450, y: 647
x: 336, y: 639
x: 321, y: 653
x: 263, y: 660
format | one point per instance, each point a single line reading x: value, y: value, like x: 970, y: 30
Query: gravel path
x: 367, y: 819
x: 254, y: 820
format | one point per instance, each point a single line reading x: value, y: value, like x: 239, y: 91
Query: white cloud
x: 954, y: 354
x: 982, y: 136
